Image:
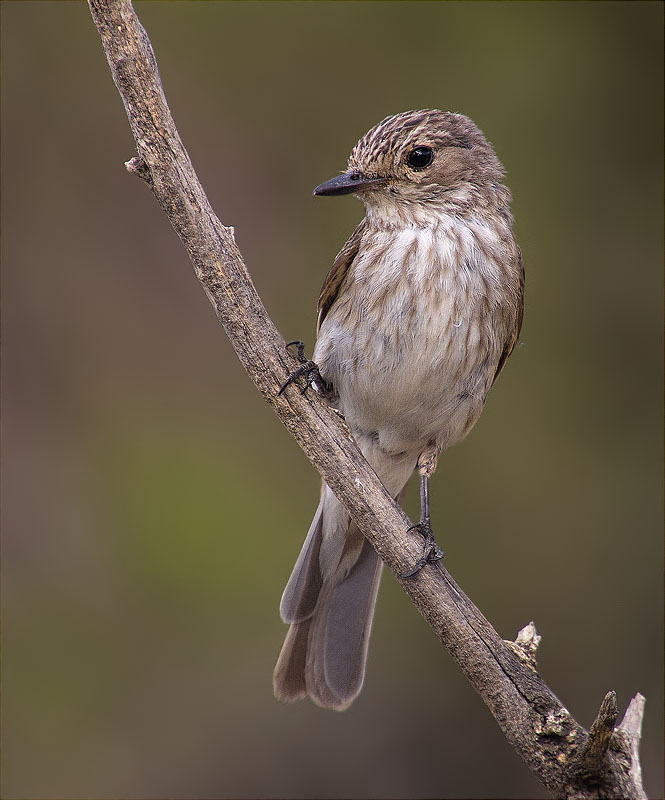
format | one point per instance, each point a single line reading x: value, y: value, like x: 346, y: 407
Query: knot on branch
x: 137, y: 166
x: 555, y: 723
x: 525, y: 645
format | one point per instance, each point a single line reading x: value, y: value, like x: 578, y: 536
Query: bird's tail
x: 329, y: 602
x: 329, y: 599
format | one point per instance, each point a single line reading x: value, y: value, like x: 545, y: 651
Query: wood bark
x: 570, y: 761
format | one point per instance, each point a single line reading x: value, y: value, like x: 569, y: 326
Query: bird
x: 416, y: 319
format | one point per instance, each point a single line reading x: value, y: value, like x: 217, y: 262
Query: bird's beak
x: 346, y: 184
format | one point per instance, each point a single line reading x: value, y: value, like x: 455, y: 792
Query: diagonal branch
x: 569, y: 761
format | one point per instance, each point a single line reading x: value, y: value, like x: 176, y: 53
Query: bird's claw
x: 432, y: 553
x: 308, y: 368
x: 300, y: 347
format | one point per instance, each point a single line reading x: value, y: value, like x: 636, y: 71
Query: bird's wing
x: 514, y: 334
x: 338, y: 271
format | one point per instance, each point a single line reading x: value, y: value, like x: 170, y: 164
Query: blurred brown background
x: 153, y: 505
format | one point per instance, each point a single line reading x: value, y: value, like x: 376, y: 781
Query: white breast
x: 409, y: 344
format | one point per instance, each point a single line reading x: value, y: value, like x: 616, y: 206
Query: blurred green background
x: 153, y: 505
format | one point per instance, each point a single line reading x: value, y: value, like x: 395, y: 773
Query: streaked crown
x: 426, y: 149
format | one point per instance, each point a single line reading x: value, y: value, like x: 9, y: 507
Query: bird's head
x: 419, y: 158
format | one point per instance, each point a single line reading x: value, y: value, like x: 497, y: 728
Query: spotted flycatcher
x: 421, y: 309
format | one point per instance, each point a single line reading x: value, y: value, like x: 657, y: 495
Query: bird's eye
x: 420, y: 157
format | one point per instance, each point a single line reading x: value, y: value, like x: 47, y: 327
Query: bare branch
x: 533, y: 720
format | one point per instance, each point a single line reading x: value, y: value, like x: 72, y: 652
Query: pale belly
x: 406, y: 389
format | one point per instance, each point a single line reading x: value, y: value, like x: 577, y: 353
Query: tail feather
x: 339, y: 634
x: 289, y: 675
x: 302, y: 590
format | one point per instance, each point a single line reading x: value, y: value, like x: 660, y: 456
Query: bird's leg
x: 432, y: 552
x: 310, y: 369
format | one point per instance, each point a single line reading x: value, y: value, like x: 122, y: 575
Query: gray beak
x: 346, y: 184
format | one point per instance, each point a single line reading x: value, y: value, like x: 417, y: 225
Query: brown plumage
x: 421, y: 309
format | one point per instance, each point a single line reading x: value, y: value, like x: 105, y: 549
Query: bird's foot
x: 432, y: 553
x: 307, y: 368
